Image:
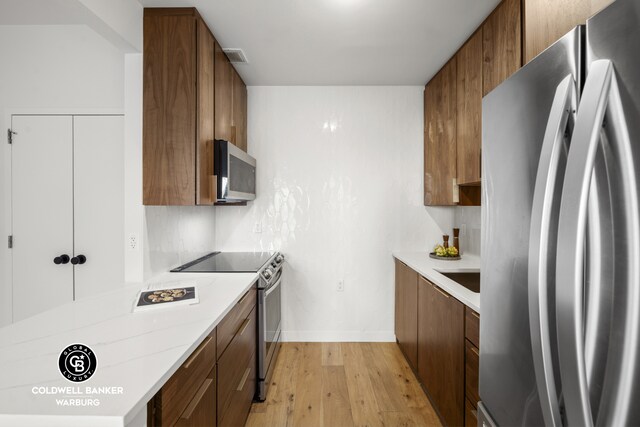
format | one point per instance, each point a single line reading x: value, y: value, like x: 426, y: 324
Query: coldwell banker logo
x: 77, y: 363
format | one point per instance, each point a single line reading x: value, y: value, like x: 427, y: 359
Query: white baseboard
x: 338, y: 336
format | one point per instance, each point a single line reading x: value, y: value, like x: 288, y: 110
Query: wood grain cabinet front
x: 201, y: 411
x: 441, y: 351
x: 406, y: 312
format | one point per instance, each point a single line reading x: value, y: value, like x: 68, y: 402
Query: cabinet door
x: 406, y: 311
x: 42, y: 212
x: 223, y: 95
x: 201, y: 411
x: 98, y: 150
x: 239, y: 112
x: 440, y: 138
x: 545, y: 21
x: 441, y: 350
x: 169, y: 110
x: 205, y: 186
x: 469, y: 112
x: 501, y: 45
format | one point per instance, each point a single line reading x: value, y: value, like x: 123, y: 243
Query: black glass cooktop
x: 226, y: 262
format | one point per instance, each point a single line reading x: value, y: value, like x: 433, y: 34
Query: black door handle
x: 62, y: 259
x: 80, y: 259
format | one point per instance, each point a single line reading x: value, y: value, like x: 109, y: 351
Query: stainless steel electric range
x: 269, y: 266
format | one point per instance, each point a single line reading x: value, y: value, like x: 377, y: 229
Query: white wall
x: 50, y: 68
x: 339, y: 188
x: 471, y: 217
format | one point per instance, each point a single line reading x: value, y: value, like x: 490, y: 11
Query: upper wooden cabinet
x: 239, y: 118
x: 469, y: 112
x: 501, y: 44
x: 177, y: 108
x: 548, y: 20
x: 440, y: 138
x: 224, y: 95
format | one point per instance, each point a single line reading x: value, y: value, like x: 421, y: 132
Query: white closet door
x: 99, y: 203
x: 42, y: 212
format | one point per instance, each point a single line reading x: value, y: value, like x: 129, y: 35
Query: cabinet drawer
x: 470, y: 414
x: 180, y: 389
x: 472, y: 326
x: 232, y: 322
x: 201, y: 411
x: 233, y: 364
x: 239, y: 401
x: 472, y: 359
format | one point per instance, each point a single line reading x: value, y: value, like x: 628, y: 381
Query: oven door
x: 270, y: 324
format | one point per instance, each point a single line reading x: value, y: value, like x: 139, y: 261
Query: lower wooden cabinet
x: 201, y: 411
x: 214, y: 387
x: 441, y: 350
x: 406, y: 318
x: 446, y: 346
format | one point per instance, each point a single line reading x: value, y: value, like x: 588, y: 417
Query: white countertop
x: 430, y: 268
x: 137, y: 351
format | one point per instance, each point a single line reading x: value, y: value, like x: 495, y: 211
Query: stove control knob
x: 279, y: 259
x: 267, y: 273
x: 274, y: 265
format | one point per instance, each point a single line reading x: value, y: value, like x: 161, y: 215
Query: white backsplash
x: 175, y: 235
x: 339, y: 188
x: 471, y: 217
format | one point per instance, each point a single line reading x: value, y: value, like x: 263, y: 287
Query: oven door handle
x: 273, y: 287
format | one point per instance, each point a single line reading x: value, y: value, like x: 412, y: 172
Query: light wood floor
x: 343, y: 384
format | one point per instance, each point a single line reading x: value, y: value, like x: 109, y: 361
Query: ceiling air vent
x: 236, y: 56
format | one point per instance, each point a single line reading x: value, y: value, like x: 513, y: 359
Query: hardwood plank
x: 308, y: 389
x: 385, y: 389
x: 336, y: 407
x: 331, y: 354
x: 364, y: 407
x: 405, y: 377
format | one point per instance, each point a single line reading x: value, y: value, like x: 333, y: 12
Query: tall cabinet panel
x: 169, y: 112
x: 206, y: 185
x: 406, y: 310
x: 239, y: 112
x: 440, y: 138
x: 440, y: 350
x: 469, y: 112
x: 223, y: 95
x: 502, y: 39
x: 548, y: 20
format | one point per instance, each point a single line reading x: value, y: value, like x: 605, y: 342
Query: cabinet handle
x: 446, y: 295
x: 244, y: 298
x: 186, y: 415
x: 62, y: 259
x: 244, y: 325
x: 475, y: 350
x: 243, y: 379
x: 196, y: 353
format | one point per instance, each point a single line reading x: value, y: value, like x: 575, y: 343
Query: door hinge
x: 10, y: 134
x: 10, y: 242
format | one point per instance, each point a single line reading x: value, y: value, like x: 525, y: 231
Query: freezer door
x: 515, y: 118
x: 599, y: 302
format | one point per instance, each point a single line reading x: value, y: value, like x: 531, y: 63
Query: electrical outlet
x: 257, y: 227
x: 132, y: 242
x: 340, y: 287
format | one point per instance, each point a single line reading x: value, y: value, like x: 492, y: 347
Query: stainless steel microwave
x: 236, y: 172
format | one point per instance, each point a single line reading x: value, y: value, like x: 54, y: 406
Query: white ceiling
x: 340, y: 42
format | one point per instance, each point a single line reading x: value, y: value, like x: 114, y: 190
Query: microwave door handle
x: 544, y: 202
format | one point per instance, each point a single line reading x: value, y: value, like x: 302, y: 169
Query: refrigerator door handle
x: 600, y: 97
x: 549, y: 172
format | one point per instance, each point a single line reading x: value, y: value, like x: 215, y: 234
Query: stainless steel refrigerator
x: 560, y: 299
